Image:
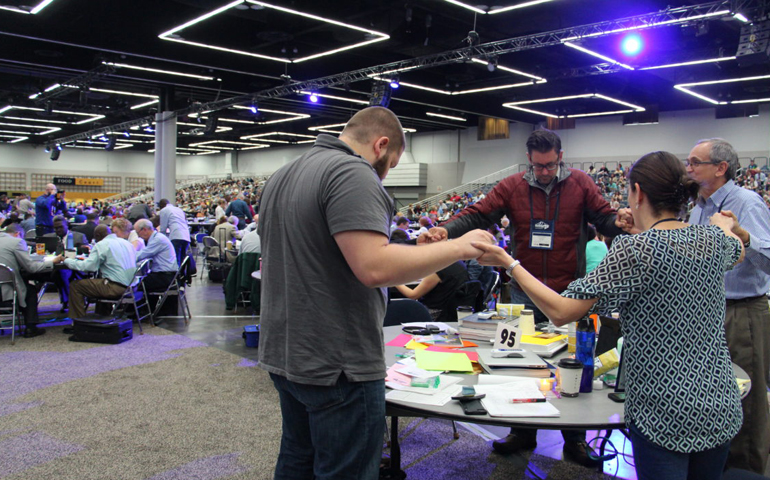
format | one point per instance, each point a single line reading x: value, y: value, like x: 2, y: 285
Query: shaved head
x: 373, y: 122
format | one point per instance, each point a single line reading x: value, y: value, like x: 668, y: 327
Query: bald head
x: 50, y: 189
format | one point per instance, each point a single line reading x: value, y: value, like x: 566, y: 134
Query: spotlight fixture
x: 55, y: 154
x: 313, y: 97
x: 394, y: 83
x: 254, y: 108
x: 741, y: 17
x: 126, y: 134
x: 111, y: 144
x: 632, y: 44
x: 47, y: 149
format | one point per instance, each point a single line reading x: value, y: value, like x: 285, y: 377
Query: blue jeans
x: 654, y: 462
x: 333, y: 432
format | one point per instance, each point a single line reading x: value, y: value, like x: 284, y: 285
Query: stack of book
x: 481, y: 330
x: 544, y: 344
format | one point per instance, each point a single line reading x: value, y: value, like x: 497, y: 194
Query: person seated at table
x: 62, y: 278
x: 225, y: 230
x: 79, y: 216
x: 14, y: 254
x: 682, y: 402
x: 251, y: 243
x: 436, y: 291
x: 92, y: 220
x: 13, y: 217
x: 220, y: 210
x: 29, y: 222
x: 160, y: 249
x: 115, y: 260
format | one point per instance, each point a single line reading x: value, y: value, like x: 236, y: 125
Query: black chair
x: 176, y: 287
x: 467, y: 297
x: 404, y: 310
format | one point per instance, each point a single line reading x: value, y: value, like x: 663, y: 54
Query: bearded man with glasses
x: 549, y: 207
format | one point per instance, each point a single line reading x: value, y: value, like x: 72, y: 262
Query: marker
x: 528, y: 400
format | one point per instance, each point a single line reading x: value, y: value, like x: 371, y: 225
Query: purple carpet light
x: 209, y: 468
x: 16, y: 451
x: 45, y: 369
x: 247, y: 363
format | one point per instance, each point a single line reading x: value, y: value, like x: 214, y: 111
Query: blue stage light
x: 632, y: 44
x: 314, y: 98
x: 394, y: 84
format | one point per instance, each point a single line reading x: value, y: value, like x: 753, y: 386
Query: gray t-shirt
x: 317, y: 319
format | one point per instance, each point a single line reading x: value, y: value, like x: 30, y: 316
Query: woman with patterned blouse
x: 682, y: 402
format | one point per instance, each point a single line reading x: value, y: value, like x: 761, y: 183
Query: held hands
x: 58, y: 259
x: 625, y: 221
x: 493, y: 255
x: 435, y: 234
x: 470, y: 243
x: 727, y: 221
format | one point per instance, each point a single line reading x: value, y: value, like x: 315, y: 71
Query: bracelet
x: 509, y: 270
x: 748, y: 243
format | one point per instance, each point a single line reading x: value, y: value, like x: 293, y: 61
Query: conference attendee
x: 240, y: 209
x: 682, y: 403
x: 28, y: 223
x: 402, y: 223
x: 62, y: 278
x: 87, y: 229
x: 225, y: 231
x: 251, y: 243
x: 713, y: 163
x: 220, y: 210
x: 5, y: 207
x: 425, y: 225
x: 549, y: 207
x: 14, y: 254
x: 138, y: 211
x: 44, y: 210
x: 325, y: 218
x: 596, y: 249
x: 173, y: 224
x: 60, y: 206
x: 13, y: 217
x: 79, y: 216
x: 115, y: 260
x: 161, y: 251
x: 24, y: 205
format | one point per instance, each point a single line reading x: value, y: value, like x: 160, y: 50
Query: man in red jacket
x: 549, y: 207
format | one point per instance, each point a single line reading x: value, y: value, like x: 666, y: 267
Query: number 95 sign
x: 507, y: 336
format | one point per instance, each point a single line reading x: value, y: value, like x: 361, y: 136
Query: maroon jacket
x: 581, y: 203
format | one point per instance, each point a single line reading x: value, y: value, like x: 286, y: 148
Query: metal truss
x: 671, y: 16
x: 81, y: 81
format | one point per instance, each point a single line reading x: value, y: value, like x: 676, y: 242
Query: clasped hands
x: 480, y: 245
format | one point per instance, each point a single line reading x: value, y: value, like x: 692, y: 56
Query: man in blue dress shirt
x: 44, y: 210
x: 713, y: 164
x: 161, y: 251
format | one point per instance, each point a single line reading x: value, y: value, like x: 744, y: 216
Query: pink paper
x: 473, y: 356
x: 399, y: 341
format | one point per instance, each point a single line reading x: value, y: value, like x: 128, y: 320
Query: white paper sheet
x: 439, y: 399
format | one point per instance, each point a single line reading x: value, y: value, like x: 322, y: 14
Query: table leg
x: 395, y: 448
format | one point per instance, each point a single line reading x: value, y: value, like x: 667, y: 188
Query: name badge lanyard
x: 719, y: 209
x: 541, y: 231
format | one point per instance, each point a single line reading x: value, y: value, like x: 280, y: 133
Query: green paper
x: 443, y: 362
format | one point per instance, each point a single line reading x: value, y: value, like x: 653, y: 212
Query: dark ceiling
x: 89, y: 49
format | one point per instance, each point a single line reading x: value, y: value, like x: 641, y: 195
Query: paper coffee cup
x: 570, y: 373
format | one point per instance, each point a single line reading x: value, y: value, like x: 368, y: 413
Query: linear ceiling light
x: 650, y: 25
x: 517, y: 106
x: 120, y: 92
x: 145, y: 104
x: 158, y: 70
x: 52, y: 87
x: 597, y: 55
x: 497, y: 9
x: 229, y: 142
x: 261, y: 137
x: 26, y: 10
x: 685, y: 87
x: 508, y: 69
x: 685, y: 64
x: 173, y: 34
x: 450, y: 117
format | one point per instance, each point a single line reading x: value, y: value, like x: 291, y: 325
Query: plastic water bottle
x: 70, y: 241
x: 586, y: 341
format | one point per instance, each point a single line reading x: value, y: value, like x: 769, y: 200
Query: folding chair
x: 211, y: 251
x: 174, y: 288
x: 7, y: 278
x: 133, y: 295
x: 406, y: 311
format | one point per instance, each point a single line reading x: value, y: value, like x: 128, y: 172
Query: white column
x: 165, y: 156
x: 231, y: 161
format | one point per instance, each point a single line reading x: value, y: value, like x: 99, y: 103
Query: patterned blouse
x: 668, y: 286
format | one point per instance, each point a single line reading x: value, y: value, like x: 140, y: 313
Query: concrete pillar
x: 231, y: 161
x: 165, y: 156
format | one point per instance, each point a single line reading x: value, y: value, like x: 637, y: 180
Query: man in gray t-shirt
x: 324, y: 227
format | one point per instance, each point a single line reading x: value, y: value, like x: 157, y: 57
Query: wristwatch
x: 747, y: 244
x: 509, y: 270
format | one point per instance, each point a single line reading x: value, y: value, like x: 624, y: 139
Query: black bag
x: 101, y: 329
x: 218, y: 271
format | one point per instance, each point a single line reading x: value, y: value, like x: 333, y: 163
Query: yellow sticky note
x: 412, y: 345
x: 453, y: 362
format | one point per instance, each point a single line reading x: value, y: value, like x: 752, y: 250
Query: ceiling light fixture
x: 506, y: 69
x: 145, y: 104
x: 597, y: 55
x: 450, y: 117
x: 173, y: 34
x: 313, y: 97
x: 517, y: 105
x: 51, y: 88
x: 158, y: 70
x: 27, y: 11
x: 498, y: 9
x: 685, y: 64
x: 334, y: 97
x: 685, y: 87
x: 741, y: 17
